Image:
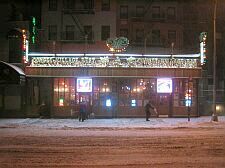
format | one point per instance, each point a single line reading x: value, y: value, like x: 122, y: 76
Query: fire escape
x: 141, y: 19
x: 76, y: 32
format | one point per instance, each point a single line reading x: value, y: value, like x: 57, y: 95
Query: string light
x: 132, y: 62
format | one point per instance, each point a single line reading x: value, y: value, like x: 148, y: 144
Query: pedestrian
x: 82, y: 111
x: 149, y: 106
x: 43, y: 110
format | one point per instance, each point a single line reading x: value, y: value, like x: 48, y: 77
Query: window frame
x: 52, y: 5
x: 52, y: 35
x: 105, y: 32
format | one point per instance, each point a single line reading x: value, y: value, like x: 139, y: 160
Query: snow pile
x: 111, y: 123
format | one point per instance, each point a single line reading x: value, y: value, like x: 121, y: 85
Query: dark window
x: 88, y: 32
x: 156, y: 37
x: 155, y: 12
x: 68, y: 4
x: 70, y: 32
x: 139, y: 35
x: 171, y: 13
x: 139, y: 11
x: 171, y: 36
x: 105, y: 32
x: 52, y: 32
x: 123, y: 12
x: 105, y: 5
x: 124, y: 32
x: 52, y: 5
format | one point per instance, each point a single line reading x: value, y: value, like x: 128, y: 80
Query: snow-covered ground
x: 111, y: 123
x: 101, y: 143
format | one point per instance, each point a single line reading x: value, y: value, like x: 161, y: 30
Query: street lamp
x: 214, y: 115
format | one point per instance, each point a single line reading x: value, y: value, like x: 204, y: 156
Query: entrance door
x: 85, y: 97
x: 163, y: 104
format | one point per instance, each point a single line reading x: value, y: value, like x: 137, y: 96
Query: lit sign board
x: 84, y: 85
x: 108, y: 103
x: 164, y: 85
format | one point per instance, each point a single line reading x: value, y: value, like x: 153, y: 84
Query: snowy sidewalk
x: 111, y: 123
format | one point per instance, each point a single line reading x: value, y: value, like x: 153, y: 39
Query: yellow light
x: 217, y: 107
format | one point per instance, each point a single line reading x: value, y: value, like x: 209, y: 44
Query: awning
x: 11, y: 74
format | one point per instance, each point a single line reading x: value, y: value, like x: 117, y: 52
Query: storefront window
x: 64, y: 92
x: 124, y: 90
x: 184, y: 92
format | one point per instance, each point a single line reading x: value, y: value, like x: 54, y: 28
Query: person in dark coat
x: 149, y: 106
x: 43, y: 110
x: 82, y: 111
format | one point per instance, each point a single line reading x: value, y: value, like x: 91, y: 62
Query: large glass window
x: 64, y: 92
x: 185, y: 92
x: 124, y: 89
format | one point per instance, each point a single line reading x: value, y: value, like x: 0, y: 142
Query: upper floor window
x: 155, y: 12
x: 139, y: 35
x: 171, y: 36
x: 124, y: 32
x: 70, y: 32
x: 52, y: 5
x: 139, y: 11
x: 88, y: 32
x: 52, y: 32
x: 171, y: 14
x: 156, y: 37
x: 123, y: 12
x: 105, y: 5
x: 105, y: 32
x: 68, y: 4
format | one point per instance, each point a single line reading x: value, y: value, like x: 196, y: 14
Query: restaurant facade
x: 114, y: 85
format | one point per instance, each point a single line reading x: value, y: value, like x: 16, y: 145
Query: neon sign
x: 117, y: 44
x: 203, y: 37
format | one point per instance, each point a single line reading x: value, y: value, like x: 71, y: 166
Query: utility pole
x: 214, y: 114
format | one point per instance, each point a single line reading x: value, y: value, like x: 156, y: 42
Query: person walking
x: 148, y: 106
x: 82, y: 111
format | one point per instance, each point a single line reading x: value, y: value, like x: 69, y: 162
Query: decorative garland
x: 131, y: 62
x: 117, y: 44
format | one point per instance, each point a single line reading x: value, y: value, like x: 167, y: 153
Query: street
x: 120, y: 143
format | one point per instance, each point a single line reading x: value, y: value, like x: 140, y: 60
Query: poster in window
x: 164, y: 85
x: 84, y: 85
